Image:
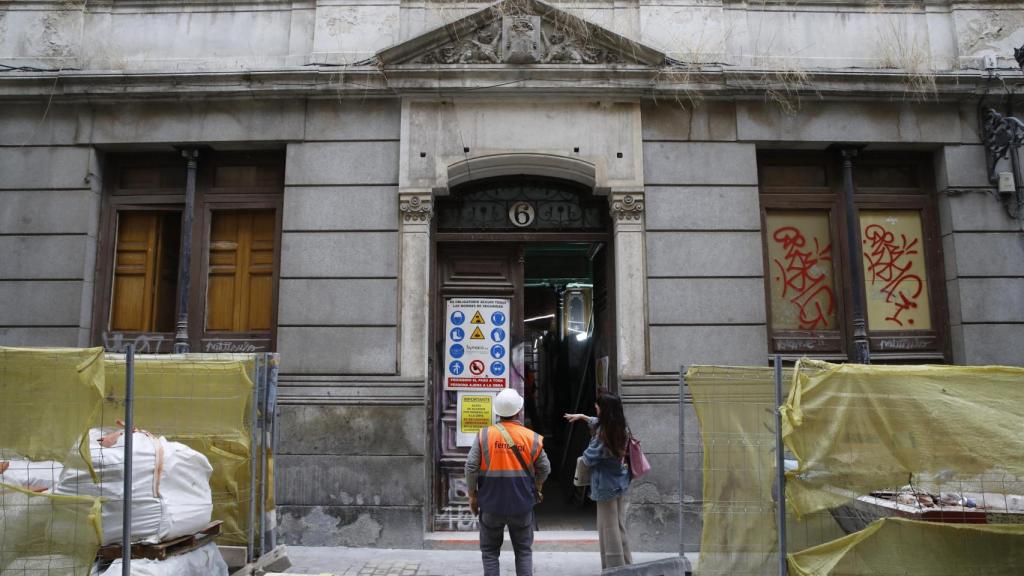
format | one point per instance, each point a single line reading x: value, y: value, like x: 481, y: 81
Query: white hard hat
x: 508, y: 403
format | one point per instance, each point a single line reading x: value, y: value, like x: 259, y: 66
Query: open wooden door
x: 485, y: 270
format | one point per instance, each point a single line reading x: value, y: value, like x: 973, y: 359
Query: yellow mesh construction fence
x: 734, y: 407
x: 206, y: 404
x: 48, y: 400
x: 851, y: 431
x: 855, y: 429
x: 901, y: 547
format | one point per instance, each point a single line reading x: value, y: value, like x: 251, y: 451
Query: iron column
x: 860, y: 353
x: 181, y: 344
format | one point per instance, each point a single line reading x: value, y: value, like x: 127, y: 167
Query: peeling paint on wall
x: 316, y: 527
x: 991, y: 32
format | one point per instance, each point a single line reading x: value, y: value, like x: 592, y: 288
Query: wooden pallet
x: 162, y: 550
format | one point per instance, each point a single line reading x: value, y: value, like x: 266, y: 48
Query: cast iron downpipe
x: 860, y: 353
x: 181, y: 345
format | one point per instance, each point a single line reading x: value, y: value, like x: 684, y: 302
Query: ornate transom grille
x: 557, y: 207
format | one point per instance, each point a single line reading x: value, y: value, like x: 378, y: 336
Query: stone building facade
x: 325, y: 139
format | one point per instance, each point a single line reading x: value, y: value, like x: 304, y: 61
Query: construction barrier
x: 48, y: 401
x: 880, y: 462
x: 219, y: 405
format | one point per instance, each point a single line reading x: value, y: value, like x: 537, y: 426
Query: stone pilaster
x: 416, y: 208
x: 627, y: 210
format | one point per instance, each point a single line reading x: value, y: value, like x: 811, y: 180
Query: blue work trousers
x: 492, y: 534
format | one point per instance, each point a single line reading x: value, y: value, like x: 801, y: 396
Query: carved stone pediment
x: 521, y: 32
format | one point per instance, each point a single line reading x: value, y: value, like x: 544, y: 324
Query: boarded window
x: 895, y: 278
x: 802, y: 279
x: 145, y: 272
x: 241, y: 271
x: 808, y: 264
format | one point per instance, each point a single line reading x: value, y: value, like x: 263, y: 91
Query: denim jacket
x: 609, y: 476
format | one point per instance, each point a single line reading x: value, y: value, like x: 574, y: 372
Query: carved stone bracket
x: 416, y: 207
x: 626, y: 206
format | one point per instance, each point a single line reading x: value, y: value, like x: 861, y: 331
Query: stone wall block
x: 184, y: 39
x: 353, y: 526
x: 704, y: 163
x: 668, y: 120
x: 34, y: 303
x: 362, y: 119
x: 849, y: 122
x: 205, y: 121
x: 44, y: 211
x: 989, y: 254
x: 672, y: 346
x: 362, y: 430
x: 962, y: 166
x: 41, y: 257
x: 39, y: 336
x: 339, y: 255
x: 706, y: 300
x: 656, y: 425
x: 991, y: 300
x: 338, y: 302
x: 32, y: 124
x: 975, y: 211
x: 673, y: 254
x: 327, y: 163
x: 702, y: 208
x: 654, y: 527
x: 661, y: 484
x: 350, y: 480
x: 337, y: 350
x: 1001, y: 344
x: 34, y: 168
x: 341, y: 208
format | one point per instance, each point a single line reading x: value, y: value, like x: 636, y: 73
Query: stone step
x: 543, y: 541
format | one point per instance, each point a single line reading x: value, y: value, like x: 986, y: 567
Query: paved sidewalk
x: 385, y: 562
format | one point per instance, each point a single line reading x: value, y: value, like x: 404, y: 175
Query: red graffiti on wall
x: 889, y: 264
x: 803, y: 277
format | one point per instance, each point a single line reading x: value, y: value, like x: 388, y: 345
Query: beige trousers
x: 611, y: 531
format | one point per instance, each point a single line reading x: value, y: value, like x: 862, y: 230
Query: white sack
x: 29, y: 474
x: 203, y: 561
x: 179, y: 504
x: 52, y: 565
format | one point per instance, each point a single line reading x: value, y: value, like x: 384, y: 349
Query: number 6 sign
x: 521, y: 214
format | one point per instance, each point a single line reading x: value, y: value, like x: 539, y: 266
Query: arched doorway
x: 538, y: 249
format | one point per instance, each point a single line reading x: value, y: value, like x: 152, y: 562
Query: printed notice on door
x: 476, y: 412
x: 476, y: 344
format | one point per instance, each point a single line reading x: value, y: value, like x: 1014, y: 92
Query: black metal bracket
x: 999, y: 134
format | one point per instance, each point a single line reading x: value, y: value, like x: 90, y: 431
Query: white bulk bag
x: 170, y: 485
x: 203, y: 561
x: 35, y: 476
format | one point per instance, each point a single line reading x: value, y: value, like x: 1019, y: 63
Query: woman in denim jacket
x: 609, y: 477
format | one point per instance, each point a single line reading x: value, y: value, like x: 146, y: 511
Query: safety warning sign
x: 476, y: 351
x: 475, y: 413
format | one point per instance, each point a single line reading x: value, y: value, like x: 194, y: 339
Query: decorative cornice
x: 416, y: 207
x: 445, y: 81
x: 627, y: 206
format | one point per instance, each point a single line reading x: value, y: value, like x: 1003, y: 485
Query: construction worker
x: 505, y: 472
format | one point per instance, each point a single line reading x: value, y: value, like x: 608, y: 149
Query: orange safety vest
x: 503, y: 486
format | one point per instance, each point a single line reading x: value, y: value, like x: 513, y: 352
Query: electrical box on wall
x: 1006, y: 184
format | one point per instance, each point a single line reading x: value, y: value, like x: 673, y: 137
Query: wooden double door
x: 494, y: 268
